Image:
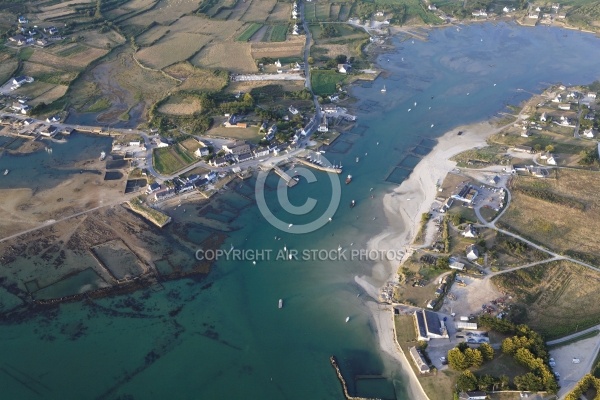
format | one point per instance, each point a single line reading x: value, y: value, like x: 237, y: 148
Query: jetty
x: 347, y: 396
x: 285, y: 176
x: 319, y: 167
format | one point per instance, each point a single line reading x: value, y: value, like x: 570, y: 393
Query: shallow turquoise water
x: 224, y: 337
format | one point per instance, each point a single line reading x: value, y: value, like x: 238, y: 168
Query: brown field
x: 61, y: 12
x: 64, y: 4
x: 96, y: 39
x: 190, y: 145
x: 246, y: 86
x: 34, y: 89
x: 221, y: 3
x: 560, y: 297
x: 281, y: 12
x: 290, y: 48
x: 38, y: 70
x: 146, y: 38
x: 181, y: 105
x: 138, y: 4
x: 76, y: 62
x: 237, y: 12
x: 166, y: 12
x: 195, y: 78
x: 334, y: 50
x: 172, y: 49
x: 51, y: 95
x: 222, y: 30
x: 555, y: 225
x: 250, y: 133
x: 234, y: 57
x: 7, y: 67
x: 258, y: 10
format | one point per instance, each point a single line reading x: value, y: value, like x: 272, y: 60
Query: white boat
x: 280, y: 303
x: 383, y: 90
x: 340, y: 247
x: 356, y: 159
x: 102, y: 156
x: 6, y: 172
x: 347, y: 319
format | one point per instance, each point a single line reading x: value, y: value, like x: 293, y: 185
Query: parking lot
x: 583, y: 352
x: 489, y: 196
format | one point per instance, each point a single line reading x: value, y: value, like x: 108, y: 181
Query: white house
x: 431, y: 7
x: 591, y: 95
x: 323, y: 127
x: 472, y: 253
x: 457, y: 265
x: 564, y: 107
x: 551, y: 160
x: 469, y: 232
x: 557, y: 99
x: 588, y: 133
x: 202, y: 152
x: 293, y: 110
x: 23, y: 20
x: 344, y: 68
x: 278, y: 64
x: 161, y: 143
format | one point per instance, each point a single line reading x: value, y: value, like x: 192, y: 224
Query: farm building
x: 457, y: 265
x: 472, y: 395
x: 467, y: 194
x: 466, y: 325
x: 470, y: 231
x: 418, y: 360
x: 429, y: 326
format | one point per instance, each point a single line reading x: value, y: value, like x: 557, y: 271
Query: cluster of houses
x: 240, y: 151
x: 30, y: 128
x: 180, y: 186
x: 33, y: 36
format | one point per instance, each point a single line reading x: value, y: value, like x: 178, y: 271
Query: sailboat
x: 383, y: 89
x: 5, y: 172
x: 347, y: 319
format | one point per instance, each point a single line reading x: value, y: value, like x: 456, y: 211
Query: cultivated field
x: 166, y: 12
x: 172, y: 49
x: 168, y: 160
x: 234, y: 57
x: 290, y: 48
x: 259, y: 9
x: 559, y: 297
x: 7, y: 69
x: 152, y: 35
x: 250, y: 133
x: 181, y: 104
x: 562, y: 213
x: 281, y: 12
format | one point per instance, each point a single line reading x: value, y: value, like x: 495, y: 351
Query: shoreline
x: 403, y: 216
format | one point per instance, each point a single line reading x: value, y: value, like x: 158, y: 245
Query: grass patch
x: 167, y: 161
x: 26, y: 53
x: 557, y: 298
x: 249, y: 32
x: 324, y: 81
x: 502, y: 364
x: 279, y: 33
x: 99, y: 105
x: 479, y: 158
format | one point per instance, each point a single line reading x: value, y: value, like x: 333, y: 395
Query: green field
x: 100, y: 105
x: 279, y: 33
x: 324, y: 81
x: 249, y: 32
x: 168, y: 160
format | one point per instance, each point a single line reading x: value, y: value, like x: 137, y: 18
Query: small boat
x: 357, y: 159
x: 280, y: 303
x: 6, y: 172
x: 102, y: 156
x: 352, y: 204
x: 383, y: 90
x: 347, y: 319
x: 296, y: 178
x: 348, y: 179
x: 340, y: 247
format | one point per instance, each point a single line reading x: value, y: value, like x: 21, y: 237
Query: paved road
x: 573, y: 336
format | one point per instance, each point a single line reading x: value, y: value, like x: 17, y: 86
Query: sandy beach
x: 403, y: 208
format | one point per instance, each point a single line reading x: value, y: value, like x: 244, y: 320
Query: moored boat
x: 5, y: 172
x: 102, y: 156
x: 348, y: 179
x: 352, y: 204
x: 280, y: 303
